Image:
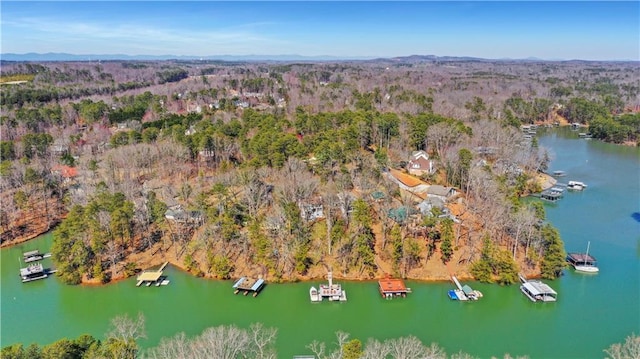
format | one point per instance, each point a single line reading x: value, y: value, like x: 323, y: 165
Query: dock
x: 35, y: 255
x: 536, y: 290
x: 33, y: 272
x: 333, y: 292
x: 463, y: 292
x: 391, y: 287
x: 248, y: 285
x: 552, y: 195
x: 150, y: 277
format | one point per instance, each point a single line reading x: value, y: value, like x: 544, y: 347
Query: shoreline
x: 438, y: 279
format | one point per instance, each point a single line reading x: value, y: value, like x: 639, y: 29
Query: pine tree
x: 553, y: 261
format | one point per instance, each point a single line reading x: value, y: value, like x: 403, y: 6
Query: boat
x: 35, y: 255
x: 463, y: 292
x: 314, y: 295
x: 333, y: 292
x: 557, y: 190
x: 537, y: 291
x: 576, y: 185
x: 583, y: 262
x: 33, y: 272
x: 559, y: 173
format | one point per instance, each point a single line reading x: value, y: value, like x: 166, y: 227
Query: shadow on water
x: 636, y: 216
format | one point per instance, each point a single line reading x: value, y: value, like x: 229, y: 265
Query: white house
x: 420, y: 164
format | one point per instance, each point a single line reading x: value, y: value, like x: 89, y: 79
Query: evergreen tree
x: 446, y: 246
x: 554, y: 259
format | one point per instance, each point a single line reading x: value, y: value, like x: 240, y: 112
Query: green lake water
x: 592, y: 311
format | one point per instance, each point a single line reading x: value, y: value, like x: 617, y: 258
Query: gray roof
x: 438, y: 190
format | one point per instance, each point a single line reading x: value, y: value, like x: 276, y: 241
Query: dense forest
x: 287, y: 170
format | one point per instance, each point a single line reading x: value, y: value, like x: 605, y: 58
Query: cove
x: 592, y: 311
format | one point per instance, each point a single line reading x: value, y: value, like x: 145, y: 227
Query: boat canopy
x: 539, y: 288
x: 467, y: 290
x: 237, y: 283
x: 257, y: 285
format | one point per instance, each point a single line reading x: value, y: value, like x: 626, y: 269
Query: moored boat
x: 463, y: 292
x: 576, y: 185
x: 35, y: 255
x: 313, y: 295
x: 33, y: 272
x: 583, y: 262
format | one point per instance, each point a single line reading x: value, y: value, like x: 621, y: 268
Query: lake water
x: 592, y: 311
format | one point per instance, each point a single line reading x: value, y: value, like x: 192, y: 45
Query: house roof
x: 420, y: 161
x: 392, y: 285
x: 406, y: 179
x: 66, y: 171
x: 438, y: 190
x: 417, y: 154
x: 398, y: 214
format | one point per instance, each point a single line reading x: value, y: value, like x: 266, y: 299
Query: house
x: 441, y: 192
x: 430, y: 203
x: 59, y: 147
x: 406, y: 182
x: 312, y: 210
x: 66, y: 172
x: 182, y: 216
x: 420, y: 164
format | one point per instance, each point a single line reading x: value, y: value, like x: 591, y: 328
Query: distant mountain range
x: 57, y: 56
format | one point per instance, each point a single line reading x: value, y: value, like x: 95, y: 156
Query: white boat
x: 333, y: 292
x: 583, y: 262
x: 314, y: 295
x: 33, y: 272
x: 463, y: 292
x: 576, y: 185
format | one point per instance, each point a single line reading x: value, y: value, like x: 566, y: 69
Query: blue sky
x: 545, y: 29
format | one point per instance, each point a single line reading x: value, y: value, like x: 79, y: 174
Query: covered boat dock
x: 150, y: 277
x: 536, y: 290
x: 581, y: 259
x: 390, y: 287
x: 248, y: 285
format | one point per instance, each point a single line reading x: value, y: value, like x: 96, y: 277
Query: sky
x: 543, y: 29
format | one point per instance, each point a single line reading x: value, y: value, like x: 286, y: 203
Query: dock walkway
x: 149, y: 277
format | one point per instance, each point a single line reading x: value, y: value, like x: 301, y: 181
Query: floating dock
x: 150, y: 277
x: 33, y: 272
x: 390, y: 287
x: 333, y: 292
x: 551, y: 195
x: 463, y: 292
x: 33, y: 256
x: 248, y: 285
